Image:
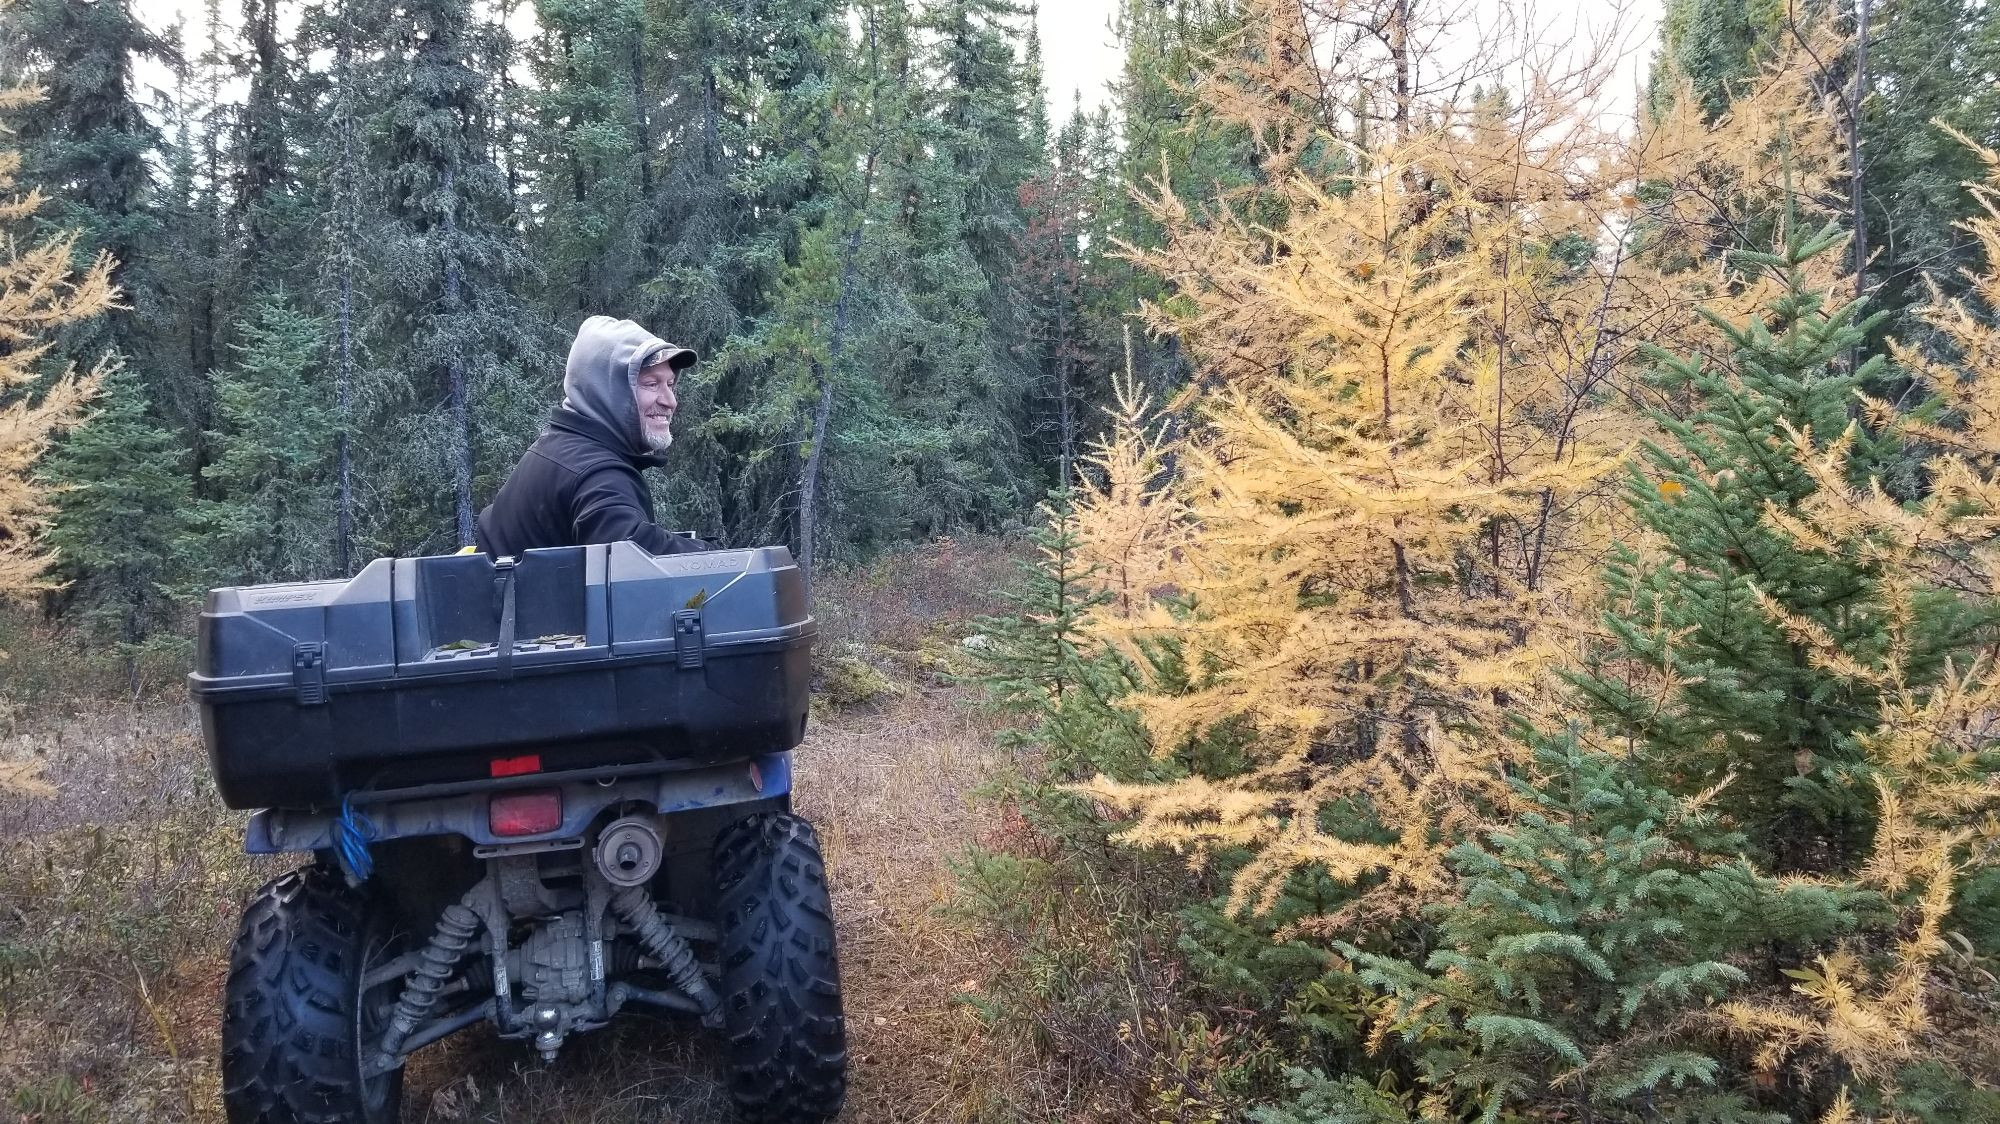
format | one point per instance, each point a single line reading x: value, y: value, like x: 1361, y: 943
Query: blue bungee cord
x: 351, y: 833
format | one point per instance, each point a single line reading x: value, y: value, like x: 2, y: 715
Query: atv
x: 536, y: 793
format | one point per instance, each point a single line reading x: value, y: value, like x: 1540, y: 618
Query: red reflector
x: 525, y: 813
x: 516, y: 766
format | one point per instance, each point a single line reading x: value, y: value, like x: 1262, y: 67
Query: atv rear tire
x: 294, y: 1017
x: 780, y: 988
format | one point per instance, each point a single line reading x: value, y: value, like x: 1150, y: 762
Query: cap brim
x: 679, y: 358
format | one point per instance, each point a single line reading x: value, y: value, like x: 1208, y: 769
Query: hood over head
x: 603, y: 367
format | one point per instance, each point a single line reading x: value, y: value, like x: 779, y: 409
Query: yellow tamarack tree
x: 1129, y: 528
x: 1414, y: 340
x: 40, y: 291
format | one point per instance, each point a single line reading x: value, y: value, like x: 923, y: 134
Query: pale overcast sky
x: 1079, y: 56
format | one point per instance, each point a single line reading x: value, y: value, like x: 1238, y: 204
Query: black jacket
x: 581, y: 481
x: 571, y: 488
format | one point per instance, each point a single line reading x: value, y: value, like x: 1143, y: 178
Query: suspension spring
x: 435, y: 965
x: 636, y: 909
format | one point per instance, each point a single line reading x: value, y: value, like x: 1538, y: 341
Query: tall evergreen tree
x: 1159, y: 130
x: 122, y: 522
x: 269, y: 210
x: 942, y: 338
x: 86, y: 147
x: 449, y: 316
x: 275, y: 447
x: 583, y: 150
x: 1715, y: 44
x: 1048, y: 293
x: 1899, y: 86
x: 192, y: 263
x: 1701, y: 679
x: 1933, y: 66
x: 693, y: 291
x: 330, y: 110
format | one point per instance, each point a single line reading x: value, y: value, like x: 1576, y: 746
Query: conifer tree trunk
x: 263, y: 152
x: 1065, y: 414
x: 344, y: 236
x: 711, y: 145
x: 809, y: 485
x: 461, y: 413
x: 1399, y: 53
x: 822, y: 416
x: 1854, y: 162
x: 642, y: 127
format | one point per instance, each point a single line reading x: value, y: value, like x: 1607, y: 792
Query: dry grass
x: 894, y: 791
x: 911, y: 594
x: 119, y: 895
x: 118, y: 898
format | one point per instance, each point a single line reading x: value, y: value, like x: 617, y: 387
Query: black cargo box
x: 427, y: 672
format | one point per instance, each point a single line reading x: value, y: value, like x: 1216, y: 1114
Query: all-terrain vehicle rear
x: 537, y: 792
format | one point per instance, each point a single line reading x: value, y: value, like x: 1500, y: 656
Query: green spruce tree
x: 1698, y: 679
x: 1572, y: 969
x: 192, y: 262
x: 275, y: 443
x: 123, y: 501
x: 461, y: 359
x: 86, y: 146
x: 1038, y: 664
x: 582, y: 151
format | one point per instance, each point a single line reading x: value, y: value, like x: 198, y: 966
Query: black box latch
x: 688, y: 638
x: 503, y: 644
x: 309, y: 674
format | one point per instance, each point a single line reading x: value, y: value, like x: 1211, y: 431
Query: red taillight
x: 525, y: 813
x: 515, y: 766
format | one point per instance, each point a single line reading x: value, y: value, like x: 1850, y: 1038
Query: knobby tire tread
x: 288, y: 1027
x: 787, y: 1035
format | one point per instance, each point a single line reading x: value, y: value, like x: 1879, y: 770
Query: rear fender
x: 753, y: 785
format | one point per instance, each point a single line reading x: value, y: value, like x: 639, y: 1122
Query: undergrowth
x: 119, y: 894
x: 1116, y: 980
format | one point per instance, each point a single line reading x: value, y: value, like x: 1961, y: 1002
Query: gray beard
x: 658, y: 444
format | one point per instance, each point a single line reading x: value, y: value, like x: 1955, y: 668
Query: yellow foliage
x: 1379, y: 520
x: 1841, y: 1111
x: 40, y: 291
x: 1393, y: 488
x: 1130, y: 527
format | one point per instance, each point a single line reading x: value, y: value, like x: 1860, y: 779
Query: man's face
x: 654, y: 392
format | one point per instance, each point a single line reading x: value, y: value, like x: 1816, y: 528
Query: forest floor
x: 119, y: 894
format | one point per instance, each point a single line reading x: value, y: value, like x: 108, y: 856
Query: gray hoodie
x: 603, y: 371
x: 583, y: 480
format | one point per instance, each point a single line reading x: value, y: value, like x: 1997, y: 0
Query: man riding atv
x: 536, y: 786
x: 582, y: 480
